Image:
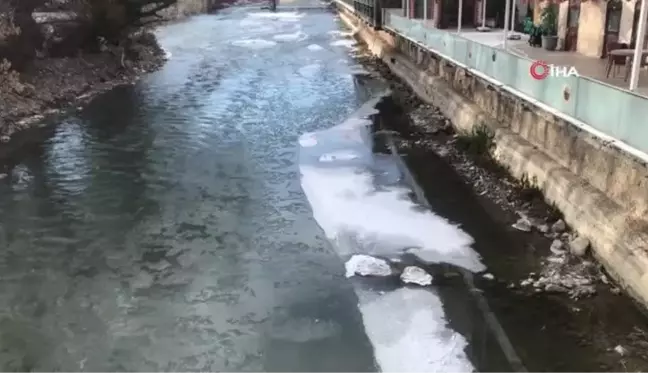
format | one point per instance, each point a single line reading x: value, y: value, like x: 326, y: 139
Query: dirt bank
x: 559, y: 308
x: 54, y: 84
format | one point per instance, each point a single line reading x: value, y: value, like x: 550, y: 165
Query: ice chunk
x: 365, y: 265
x: 416, y: 275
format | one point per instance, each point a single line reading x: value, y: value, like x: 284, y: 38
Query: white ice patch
x: 349, y: 43
x: 338, y: 33
x: 344, y: 155
x: 310, y: 71
x: 254, y: 43
x: 296, y: 36
x: 408, y: 330
x: 416, y: 275
x: 167, y: 54
x: 345, y: 200
x: 385, y: 221
x: 365, y: 265
x: 281, y: 16
x: 314, y: 47
x: 307, y: 140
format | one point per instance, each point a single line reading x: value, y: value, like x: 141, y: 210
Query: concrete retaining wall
x: 602, y: 192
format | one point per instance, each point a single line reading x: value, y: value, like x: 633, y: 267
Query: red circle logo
x: 539, y: 70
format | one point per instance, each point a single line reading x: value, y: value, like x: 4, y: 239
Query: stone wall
x: 602, y: 191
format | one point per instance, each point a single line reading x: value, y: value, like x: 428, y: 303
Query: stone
x: 522, y: 225
x: 559, y: 226
x: 557, y: 247
x: 488, y: 276
x: 4, y: 138
x: 621, y: 350
x: 543, y: 228
x: 579, y: 245
x: 553, y: 288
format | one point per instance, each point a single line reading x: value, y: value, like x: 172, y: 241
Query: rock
x: 488, y: 276
x: 416, y: 275
x: 543, y: 228
x: 621, y: 350
x: 557, y: 247
x: 559, y: 226
x: 526, y: 282
x: 556, y: 259
x: 4, y: 138
x: 553, y: 288
x: 579, y: 245
x: 522, y: 225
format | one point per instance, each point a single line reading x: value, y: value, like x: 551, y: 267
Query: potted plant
x: 550, y: 26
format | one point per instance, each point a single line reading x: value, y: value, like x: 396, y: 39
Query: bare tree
x: 21, y: 35
x: 114, y: 19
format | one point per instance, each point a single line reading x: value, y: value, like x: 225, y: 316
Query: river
x: 205, y: 219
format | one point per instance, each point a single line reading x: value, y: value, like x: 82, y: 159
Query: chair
x: 642, y: 63
x: 614, y: 61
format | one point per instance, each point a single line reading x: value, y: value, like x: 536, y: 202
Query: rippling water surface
x: 164, y: 228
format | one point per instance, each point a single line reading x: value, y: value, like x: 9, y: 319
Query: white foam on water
x: 254, y: 43
x: 349, y: 43
x: 409, y: 333
x: 365, y: 265
x: 416, y: 275
x: 296, y: 36
x: 314, y: 47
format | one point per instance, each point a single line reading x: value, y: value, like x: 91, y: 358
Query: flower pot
x: 549, y: 42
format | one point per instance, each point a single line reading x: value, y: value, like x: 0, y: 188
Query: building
x: 589, y: 26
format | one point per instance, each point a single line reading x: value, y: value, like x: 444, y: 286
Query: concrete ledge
x: 618, y: 236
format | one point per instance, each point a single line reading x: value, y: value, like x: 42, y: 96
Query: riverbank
x: 51, y: 85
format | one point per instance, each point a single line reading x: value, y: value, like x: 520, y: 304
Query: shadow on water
x: 544, y: 329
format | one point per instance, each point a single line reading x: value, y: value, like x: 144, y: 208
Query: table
x: 626, y: 52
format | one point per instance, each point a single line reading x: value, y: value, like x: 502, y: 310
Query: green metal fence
x: 613, y: 111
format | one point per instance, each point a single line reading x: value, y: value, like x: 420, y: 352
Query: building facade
x: 590, y: 26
